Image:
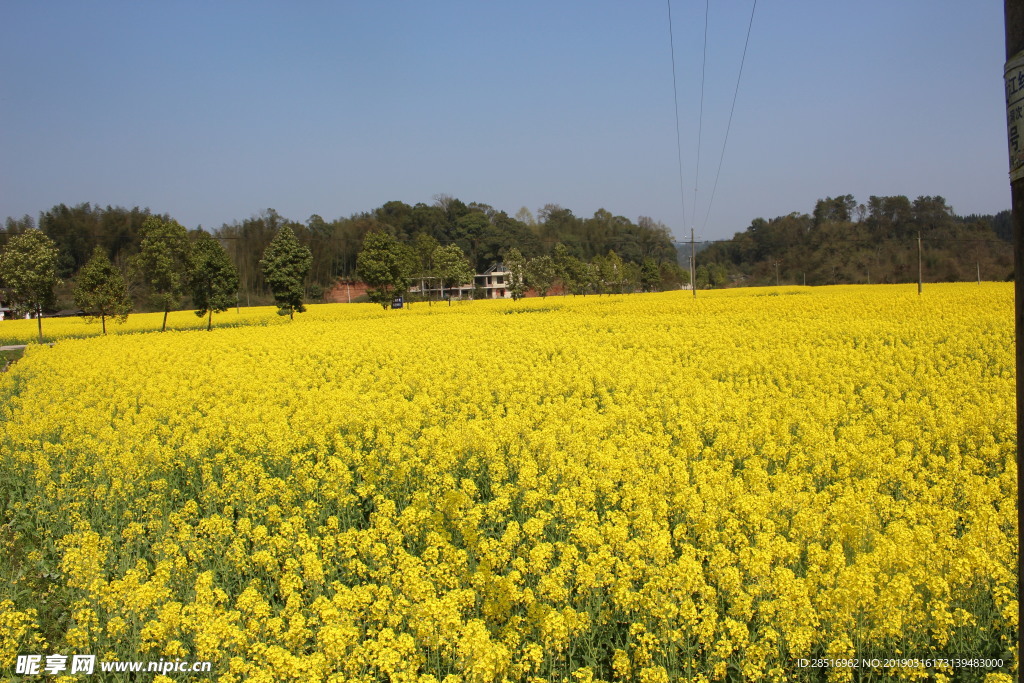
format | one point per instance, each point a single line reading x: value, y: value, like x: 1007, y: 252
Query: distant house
x: 494, y: 282
x: 431, y: 288
x: 460, y: 292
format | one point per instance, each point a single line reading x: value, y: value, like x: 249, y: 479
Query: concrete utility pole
x: 1014, y: 81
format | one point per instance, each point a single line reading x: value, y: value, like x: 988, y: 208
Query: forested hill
x: 482, y: 232
x: 843, y: 242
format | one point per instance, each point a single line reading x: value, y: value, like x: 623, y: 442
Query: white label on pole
x: 1014, y: 80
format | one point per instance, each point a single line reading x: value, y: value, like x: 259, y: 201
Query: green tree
x: 470, y: 230
x: 718, y: 275
x: 28, y: 271
x: 163, y: 261
x: 650, y: 275
x: 16, y: 226
x: 673, y: 276
x: 516, y: 266
x: 213, y: 278
x: 285, y: 265
x: 562, y: 259
x: 581, y: 276
x: 386, y: 265
x: 76, y: 230
x: 540, y: 274
x: 834, y: 210
x: 249, y: 240
x: 702, y: 276
x: 612, y: 273
x: 424, y: 246
x: 101, y: 291
x: 573, y: 273
x: 631, y: 276
x: 452, y: 267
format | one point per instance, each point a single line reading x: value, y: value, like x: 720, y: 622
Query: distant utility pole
x: 693, y: 256
x: 1013, y: 73
x: 776, y: 273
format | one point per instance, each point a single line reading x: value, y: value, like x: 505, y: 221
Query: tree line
x: 110, y: 260
x: 845, y: 242
x: 483, y: 234
x: 392, y: 269
x: 170, y: 262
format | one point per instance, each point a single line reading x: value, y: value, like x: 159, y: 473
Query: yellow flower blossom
x: 643, y: 487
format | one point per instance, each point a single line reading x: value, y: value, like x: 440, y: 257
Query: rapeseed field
x: 755, y: 485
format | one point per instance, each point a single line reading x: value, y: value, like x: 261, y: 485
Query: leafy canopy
x: 540, y: 274
x: 163, y: 261
x: 516, y: 266
x: 285, y: 265
x: 451, y: 266
x: 214, y: 279
x: 101, y: 291
x: 28, y: 271
x: 386, y: 266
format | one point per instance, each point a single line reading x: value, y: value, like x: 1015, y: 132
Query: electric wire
x: 675, y: 100
x: 732, y: 109
x: 700, y: 119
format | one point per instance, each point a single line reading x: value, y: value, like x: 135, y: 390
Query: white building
x: 431, y: 288
x: 494, y: 282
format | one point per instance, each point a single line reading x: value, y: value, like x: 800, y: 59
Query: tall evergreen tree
x: 163, y: 261
x: 516, y: 266
x: 101, y: 291
x: 213, y: 278
x: 285, y: 265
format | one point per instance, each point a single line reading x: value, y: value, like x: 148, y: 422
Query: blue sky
x: 213, y: 111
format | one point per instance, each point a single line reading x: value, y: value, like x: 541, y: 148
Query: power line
x: 675, y: 99
x: 731, y: 110
x: 700, y: 119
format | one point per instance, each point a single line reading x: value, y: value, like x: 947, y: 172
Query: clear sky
x: 214, y: 111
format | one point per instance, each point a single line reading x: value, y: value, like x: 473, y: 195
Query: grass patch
x: 8, y: 357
